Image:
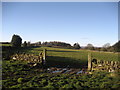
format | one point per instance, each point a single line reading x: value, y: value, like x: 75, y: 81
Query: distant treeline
x: 17, y: 42
x: 57, y: 44
x: 4, y: 42
x: 117, y: 46
x: 106, y: 47
x: 114, y: 48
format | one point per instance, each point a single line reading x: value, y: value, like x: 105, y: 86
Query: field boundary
x: 30, y: 58
x: 102, y: 65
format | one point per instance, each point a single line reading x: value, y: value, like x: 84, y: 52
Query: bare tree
x: 106, y: 45
x: 90, y: 46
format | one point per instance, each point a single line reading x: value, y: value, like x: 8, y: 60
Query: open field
x: 18, y: 74
x: 5, y: 44
x: 60, y: 45
x: 63, y: 57
x: 76, y: 54
x: 75, y: 57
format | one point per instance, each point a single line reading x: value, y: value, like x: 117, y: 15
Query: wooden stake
x: 89, y: 61
x: 44, y: 55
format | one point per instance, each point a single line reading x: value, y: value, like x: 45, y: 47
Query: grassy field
x: 74, y: 58
x: 5, y: 44
x: 58, y: 57
x: 76, y: 54
x: 18, y: 74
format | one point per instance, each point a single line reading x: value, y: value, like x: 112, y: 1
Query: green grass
x: 81, y: 55
x: 59, y: 57
x: 5, y: 44
x: 76, y: 54
x: 72, y: 57
x: 17, y: 74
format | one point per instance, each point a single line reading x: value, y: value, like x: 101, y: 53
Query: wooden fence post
x: 89, y: 61
x: 44, y: 55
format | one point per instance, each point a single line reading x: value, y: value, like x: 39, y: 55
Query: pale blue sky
x: 70, y: 22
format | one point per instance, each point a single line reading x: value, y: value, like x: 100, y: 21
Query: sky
x: 70, y: 22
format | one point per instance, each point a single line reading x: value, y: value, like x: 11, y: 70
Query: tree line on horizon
x: 16, y: 41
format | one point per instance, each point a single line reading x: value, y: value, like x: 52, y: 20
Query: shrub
x: 16, y: 41
x: 90, y: 47
x: 25, y: 44
x: 76, y: 46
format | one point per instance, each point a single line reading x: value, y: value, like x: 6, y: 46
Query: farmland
x: 18, y: 74
x: 70, y: 56
x: 60, y: 45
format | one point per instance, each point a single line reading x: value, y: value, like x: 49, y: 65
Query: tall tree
x: 116, y: 46
x: 25, y: 44
x: 28, y: 44
x: 90, y: 46
x: 16, y: 41
x: 107, y: 45
x: 76, y: 46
